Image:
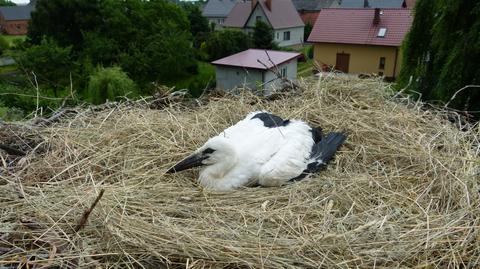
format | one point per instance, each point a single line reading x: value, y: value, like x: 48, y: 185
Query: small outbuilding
x: 255, y: 69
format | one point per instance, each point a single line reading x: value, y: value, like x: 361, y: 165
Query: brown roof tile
x: 355, y: 26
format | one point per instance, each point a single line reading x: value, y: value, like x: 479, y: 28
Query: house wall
x: 296, y: 33
x: 230, y: 77
x: 363, y: 58
x: 19, y: 27
x: 296, y: 36
x: 218, y: 21
x: 270, y: 80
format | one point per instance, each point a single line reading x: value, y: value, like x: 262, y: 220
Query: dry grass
x: 403, y: 191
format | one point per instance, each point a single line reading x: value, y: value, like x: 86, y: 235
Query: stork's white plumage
x: 262, y: 149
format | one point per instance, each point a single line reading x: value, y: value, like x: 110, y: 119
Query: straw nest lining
x: 402, y: 192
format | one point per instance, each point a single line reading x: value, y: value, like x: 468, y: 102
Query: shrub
x: 4, y: 45
x: 109, y: 84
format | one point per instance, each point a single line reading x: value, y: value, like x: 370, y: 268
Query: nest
x: 402, y: 192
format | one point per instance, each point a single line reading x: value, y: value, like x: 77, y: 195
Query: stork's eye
x: 208, y: 151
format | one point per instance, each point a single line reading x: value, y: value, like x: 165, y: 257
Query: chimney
x: 254, y: 3
x: 268, y: 3
x: 365, y: 3
x: 376, y: 19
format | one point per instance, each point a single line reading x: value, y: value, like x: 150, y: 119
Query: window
x: 381, y: 65
x: 278, y: 35
x: 382, y: 32
x: 283, y: 72
x: 286, y: 35
x: 258, y: 18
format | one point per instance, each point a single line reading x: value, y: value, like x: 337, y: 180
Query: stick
x: 12, y: 151
x: 86, y: 213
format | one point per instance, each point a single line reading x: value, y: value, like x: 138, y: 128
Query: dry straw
x: 402, y: 192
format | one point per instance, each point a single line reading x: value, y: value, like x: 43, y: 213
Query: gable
x: 257, y: 12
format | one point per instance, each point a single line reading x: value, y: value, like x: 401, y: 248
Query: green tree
x: 4, y: 45
x: 150, y: 40
x: 109, y: 84
x: 307, y: 30
x: 442, y: 52
x: 226, y: 42
x: 7, y: 3
x: 199, y: 26
x: 263, y: 35
x: 49, y: 63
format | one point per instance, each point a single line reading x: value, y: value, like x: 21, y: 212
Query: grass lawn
x: 12, y: 38
x: 304, y: 69
x: 196, y: 83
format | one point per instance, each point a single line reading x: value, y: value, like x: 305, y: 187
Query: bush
x: 226, y: 42
x: 109, y: 84
x: 4, y: 45
x: 310, y: 52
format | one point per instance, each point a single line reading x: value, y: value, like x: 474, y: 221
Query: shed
x: 253, y: 69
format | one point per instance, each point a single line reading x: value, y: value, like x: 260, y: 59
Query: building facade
x: 368, y: 43
x: 242, y: 70
x: 281, y: 15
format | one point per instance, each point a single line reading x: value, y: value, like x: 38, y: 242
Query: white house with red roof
x: 361, y: 40
x: 255, y: 69
x: 281, y: 15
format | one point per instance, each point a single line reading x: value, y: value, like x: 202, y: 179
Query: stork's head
x: 217, y: 154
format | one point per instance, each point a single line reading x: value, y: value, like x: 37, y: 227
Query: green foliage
x: 4, y: 44
x: 50, y: 63
x: 226, y: 42
x: 442, y: 52
x: 199, y: 26
x: 196, y: 84
x: 263, y: 36
x: 307, y: 30
x: 7, y: 3
x: 150, y: 40
x: 310, y: 52
x: 109, y: 84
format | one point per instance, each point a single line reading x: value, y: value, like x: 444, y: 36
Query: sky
x: 21, y: 1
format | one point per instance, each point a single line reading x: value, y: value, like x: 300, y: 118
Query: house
x: 373, y: 4
x: 252, y: 69
x: 14, y: 19
x: 216, y: 11
x: 281, y: 15
x: 309, y: 9
x: 368, y: 42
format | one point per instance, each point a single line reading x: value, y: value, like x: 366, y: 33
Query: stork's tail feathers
x: 322, y: 153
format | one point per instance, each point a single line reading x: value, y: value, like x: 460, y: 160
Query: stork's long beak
x: 189, y: 162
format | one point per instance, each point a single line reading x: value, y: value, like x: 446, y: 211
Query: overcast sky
x: 21, y: 1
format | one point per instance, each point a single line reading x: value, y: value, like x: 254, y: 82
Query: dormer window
x: 382, y: 32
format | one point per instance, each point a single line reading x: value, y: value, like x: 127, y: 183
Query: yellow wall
x: 363, y: 58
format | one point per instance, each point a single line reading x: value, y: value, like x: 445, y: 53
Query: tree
x: 50, y: 63
x: 109, y: 84
x: 199, y: 26
x: 442, y: 52
x: 226, y: 42
x: 7, y: 3
x: 4, y: 45
x: 307, y: 30
x: 263, y: 36
x: 149, y: 40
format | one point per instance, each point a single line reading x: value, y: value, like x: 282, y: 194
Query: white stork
x: 262, y: 149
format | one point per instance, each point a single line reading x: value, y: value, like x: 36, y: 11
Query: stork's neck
x: 217, y: 175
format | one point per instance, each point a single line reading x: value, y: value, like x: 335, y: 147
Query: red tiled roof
x: 249, y: 58
x: 309, y: 17
x: 281, y: 15
x: 239, y: 15
x: 410, y: 3
x: 355, y: 26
